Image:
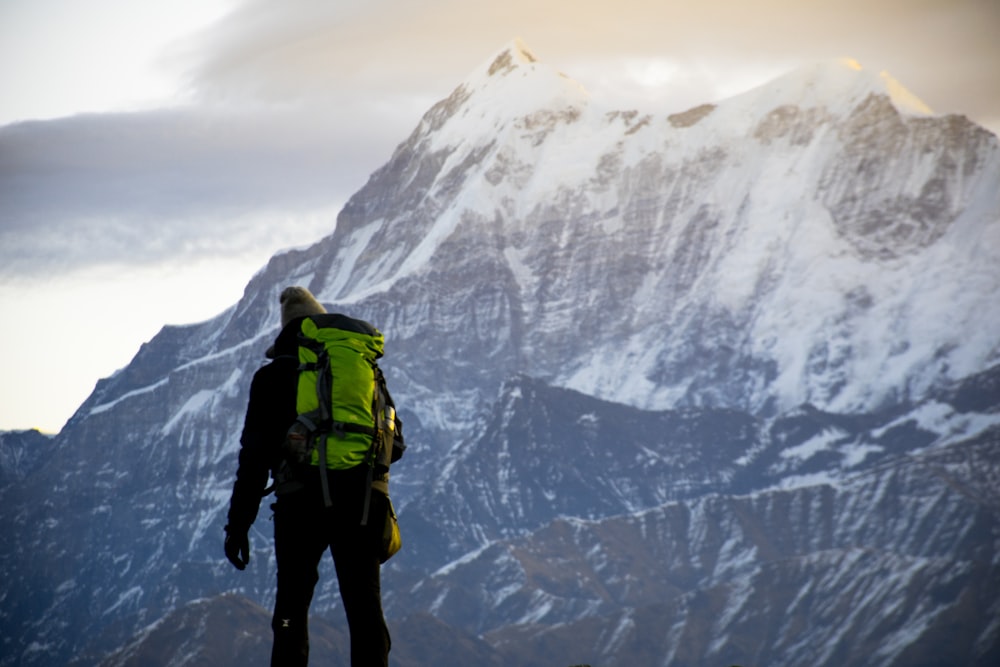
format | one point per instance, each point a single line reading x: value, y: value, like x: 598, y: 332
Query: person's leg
x: 355, y: 550
x: 298, y: 548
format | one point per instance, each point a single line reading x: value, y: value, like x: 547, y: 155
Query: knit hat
x: 295, y: 302
x: 298, y: 302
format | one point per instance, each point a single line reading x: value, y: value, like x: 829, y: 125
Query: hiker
x: 311, y: 514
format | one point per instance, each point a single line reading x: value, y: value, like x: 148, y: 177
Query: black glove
x: 238, y: 548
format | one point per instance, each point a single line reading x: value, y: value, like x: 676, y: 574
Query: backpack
x: 346, y: 416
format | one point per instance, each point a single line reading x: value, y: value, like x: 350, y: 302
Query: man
x: 304, y: 526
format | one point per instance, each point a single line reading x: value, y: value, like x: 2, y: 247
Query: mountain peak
x: 882, y: 83
x: 510, y: 57
x: 839, y: 84
x: 512, y: 84
x: 515, y: 71
x: 902, y: 98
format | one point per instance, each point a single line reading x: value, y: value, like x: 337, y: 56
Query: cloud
x: 148, y: 187
x: 946, y: 51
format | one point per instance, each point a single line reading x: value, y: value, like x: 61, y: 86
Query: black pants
x: 303, y: 530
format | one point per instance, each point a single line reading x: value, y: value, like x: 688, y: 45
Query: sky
x: 154, y: 155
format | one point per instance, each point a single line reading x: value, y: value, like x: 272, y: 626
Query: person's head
x: 295, y: 302
x: 298, y: 302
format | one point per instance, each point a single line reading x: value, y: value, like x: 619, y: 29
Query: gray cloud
x: 148, y: 187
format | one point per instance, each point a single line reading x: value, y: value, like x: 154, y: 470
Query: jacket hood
x: 287, y: 342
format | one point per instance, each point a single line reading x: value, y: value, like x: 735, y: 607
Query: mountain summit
x: 717, y: 387
x: 511, y: 85
x: 838, y: 86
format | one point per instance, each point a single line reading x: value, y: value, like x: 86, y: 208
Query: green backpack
x: 346, y: 416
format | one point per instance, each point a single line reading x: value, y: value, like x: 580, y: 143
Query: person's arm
x: 262, y: 429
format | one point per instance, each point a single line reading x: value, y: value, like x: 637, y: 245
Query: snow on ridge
x: 942, y: 419
x: 818, y: 443
x: 196, y: 404
x: 824, y: 478
x: 104, y: 407
x: 464, y: 559
x: 837, y: 86
x: 266, y: 335
x: 903, y: 99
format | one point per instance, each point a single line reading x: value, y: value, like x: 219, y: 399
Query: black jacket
x: 270, y: 411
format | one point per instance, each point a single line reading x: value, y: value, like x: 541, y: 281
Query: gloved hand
x: 238, y: 548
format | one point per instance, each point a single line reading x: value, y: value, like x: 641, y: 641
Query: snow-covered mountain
x: 810, y: 208
x: 705, y: 387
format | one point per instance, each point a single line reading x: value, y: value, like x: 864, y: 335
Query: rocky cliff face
x: 21, y: 453
x: 829, y: 540
x: 712, y: 386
